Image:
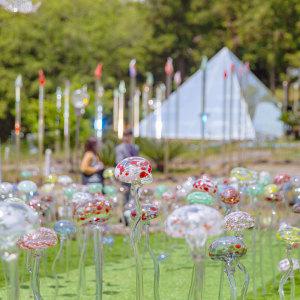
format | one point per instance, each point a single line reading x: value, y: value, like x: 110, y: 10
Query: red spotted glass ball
x: 149, y: 212
x: 205, y: 185
x: 134, y: 170
x: 230, y: 196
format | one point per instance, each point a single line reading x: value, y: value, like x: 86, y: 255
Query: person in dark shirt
x: 126, y: 148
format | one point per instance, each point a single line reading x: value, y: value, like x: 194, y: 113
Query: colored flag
x: 169, y: 67
x: 132, y: 68
x: 42, y: 78
x: 98, y: 71
x: 177, y: 78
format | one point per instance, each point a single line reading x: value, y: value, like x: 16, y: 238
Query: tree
x: 67, y: 39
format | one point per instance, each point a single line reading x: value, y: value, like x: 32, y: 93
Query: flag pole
x: 149, y: 85
x: 159, y: 95
x: 145, y: 98
x: 98, y: 104
x: 231, y: 116
x: 122, y: 91
x: 203, y: 112
x: 225, y: 113
x: 66, y: 125
x: 116, y: 110
x: 245, y: 83
x: 177, y: 81
x: 132, y: 89
x: 80, y: 99
x: 296, y: 87
x: 169, y: 70
x: 47, y: 162
x: 18, y: 86
x: 41, y: 121
x: 58, y: 111
x: 136, y: 113
x: 241, y: 82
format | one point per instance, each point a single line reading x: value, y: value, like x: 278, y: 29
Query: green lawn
x: 119, y: 274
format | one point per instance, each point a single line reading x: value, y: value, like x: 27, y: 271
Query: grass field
x: 119, y: 272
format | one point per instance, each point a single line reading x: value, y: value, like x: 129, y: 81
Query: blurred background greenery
x: 68, y: 38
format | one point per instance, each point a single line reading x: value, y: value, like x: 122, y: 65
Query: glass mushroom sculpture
x: 229, y: 249
x: 16, y: 219
x: 195, y: 223
x: 136, y: 171
x: 206, y: 185
x: 243, y: 176
x: 200, y: 198
x: 64, y: 229
x: 237, y: 222
x: 79, y: 198
x: 93, y: 214
x: 37, y: 242
x: 273, y: 195
x: 290, y: 235
x: 150, y: 212
x: 230, y: 197
x: 6, y: 190
x: 27, y: 189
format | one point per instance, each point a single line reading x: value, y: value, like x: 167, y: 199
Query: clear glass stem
x: 270, y: 244
x: 292, y: 277
x: 81, y: 267
x: 53, y: 268
x: 98, y: 259
x: 246, y: 280
x: 35, y: 275
x: 68, y: 256
x: 13, y: 291
x: 196, y: 288
x: 254, y: 273
x: 135, y: 237
x: 155, y: 264
x: 261, y: 259
x: 287, y: 275
x: 230, y: 275
x: 192, y: 286
x: 221, y: 282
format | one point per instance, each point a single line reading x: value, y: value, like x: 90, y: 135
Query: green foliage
x: 266, y: 33
x: 290, y: 118
x: 107, y: 155
x: 67, y: 39
x: 155, y: 150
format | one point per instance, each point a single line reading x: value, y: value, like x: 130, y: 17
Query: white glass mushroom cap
x: 6, y: 189
x: 81, y: 197
x: 27, y: 187
x: 16, y: 220
x: 238, y: 221
x: 186, y: 220
x: 64, y: 180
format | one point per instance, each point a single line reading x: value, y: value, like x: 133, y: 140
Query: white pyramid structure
x: 254, y: 111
